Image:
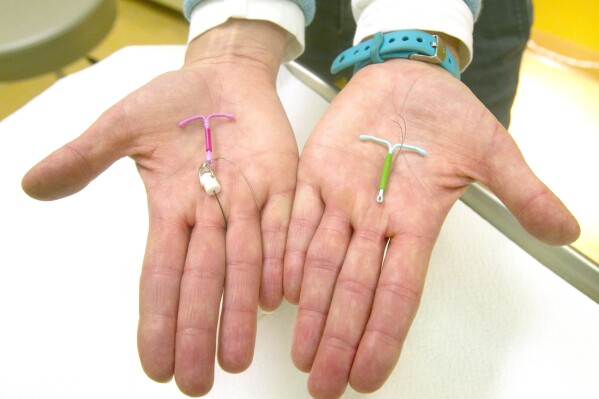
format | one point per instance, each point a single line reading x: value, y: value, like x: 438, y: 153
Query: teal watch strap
x: 411, y: 44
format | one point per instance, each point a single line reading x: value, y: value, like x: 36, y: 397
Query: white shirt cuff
x: 452, y: 17
x: 286, y: 14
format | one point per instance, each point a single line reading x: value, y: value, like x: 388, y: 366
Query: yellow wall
x: 574, y: 20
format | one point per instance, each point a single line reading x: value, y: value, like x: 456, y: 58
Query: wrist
x: 250, y: 44
x: 415, y: 45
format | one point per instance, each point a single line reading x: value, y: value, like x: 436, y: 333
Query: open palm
x: 353, y: 314
x: 193, y: 255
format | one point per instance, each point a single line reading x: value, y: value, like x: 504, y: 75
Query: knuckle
x: 323, y: 264
x: 203, y: 274
x: 312, y: 311
x: 402, y: 291
x: 294, y: 256
x: 301, y: 226
x: 338, y: 342
x: 388, y: 338
x: 273, y: 261
x: 242, y: 267
x: 369, y: 234
x: 236, y: 311
x: 194, y: 331
x: 356, y: 287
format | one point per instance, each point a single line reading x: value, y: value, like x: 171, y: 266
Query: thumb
x: 70, y: 168
x: 535, y: 206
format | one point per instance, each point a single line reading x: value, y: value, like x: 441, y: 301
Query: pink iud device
x: 207, y: 132
x: 206, y: 174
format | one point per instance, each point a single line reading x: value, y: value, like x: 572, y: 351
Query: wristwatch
x: 411, y: 44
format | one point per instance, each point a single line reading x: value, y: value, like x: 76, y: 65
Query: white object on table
x: 493, y: 323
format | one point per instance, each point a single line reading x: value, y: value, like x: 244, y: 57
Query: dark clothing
x: 500, y: 36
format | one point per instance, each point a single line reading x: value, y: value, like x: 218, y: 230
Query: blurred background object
x: 137, y: 22
x: 567, y: 32
x: 37, y: 36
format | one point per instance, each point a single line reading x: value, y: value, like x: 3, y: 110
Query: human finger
x: 274, y: 226
x: 396, y: 301
x: 349, y: 312
x: 166, y: 248
x: 307, y: 211
x: 535, y: 206
x: 323, y: 262
x: 199, y: 301
x: 70, y: 168
x: 239, y: 313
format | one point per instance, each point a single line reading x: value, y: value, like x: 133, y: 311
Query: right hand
x: 354, y: 311
x: 191, y: 256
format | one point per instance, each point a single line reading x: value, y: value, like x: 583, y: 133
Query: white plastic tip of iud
x: 379, y: 197
x: 209, y: 183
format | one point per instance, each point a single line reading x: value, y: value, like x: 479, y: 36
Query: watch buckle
x: 438, y: 57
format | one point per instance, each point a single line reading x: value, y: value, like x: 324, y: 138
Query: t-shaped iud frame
x: 206, y: 174
x: 388, y: 160
x: 207, y: 132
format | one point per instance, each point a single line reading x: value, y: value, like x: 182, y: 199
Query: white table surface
x: 493, y: 323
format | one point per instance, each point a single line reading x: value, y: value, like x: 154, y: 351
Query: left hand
x: 353, y: 314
